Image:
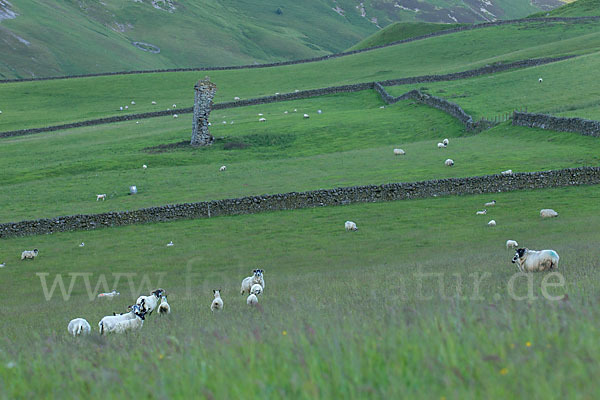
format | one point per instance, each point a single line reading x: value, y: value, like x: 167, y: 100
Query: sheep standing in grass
x: 492, y: 223
x: 175, y: 116
x: 256, y: 278
x: 445, y: 142
x: 535, y: 261
x: 449, y: 163
x: 262, y: 120
x: 149, y: 303
x: 217, y: 303
x: 441, y: 145
x: 256, y: 289
x: 2, y: 265
x: 164, y: 308
x: 482, y: 212
x: 511, y: 243
x: 540, y: 80
x: 223, y: 168
x: 490, y: 203
x: 252, y: 300
x: 153, y: 103
x: 305, y: 116
x: 350, y: 226
x: 29, y: 254
x: 101, y: 197
x: 548, y: 213
x: 125, y: 325
x: 107, y: 323
x: 507, y: 172
x: 79, y: 326
x: 144, y: 166
x: 399, y: 152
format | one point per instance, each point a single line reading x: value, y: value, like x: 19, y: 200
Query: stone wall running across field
x: 582, y: 126
x: 316, y: 198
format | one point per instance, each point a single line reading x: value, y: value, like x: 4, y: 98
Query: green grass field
x: 421, y: 302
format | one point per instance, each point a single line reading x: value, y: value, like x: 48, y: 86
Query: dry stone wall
x: 585, y: 127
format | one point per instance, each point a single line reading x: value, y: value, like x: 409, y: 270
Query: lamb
x: 125, y: 325
x: 223, y: 168
x: 535, y: 261
x: 256, y: 278
x: 29, y: 254
x: 256, y: 289
x: 449, y: 163
x: 79, y: 326
x: 511, y: 243
x: 164, y: 307
x: 441, y: 145
x: 101, y: 197
x: 114, y: 293
x: 148, y: 304
x: 262, y: 120
x: 492, y: 223
x: 399, y: 152
x: 445, y: 142
x: 548, y: 213
x: 107, y: 323
x: 507, y: 172
x: 252, y: 300
x: 490, y: 203
x: 482, y: 212
x: 217, y: 303
x: 350, y: 226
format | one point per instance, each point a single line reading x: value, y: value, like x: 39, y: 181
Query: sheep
x: 107, y: 323
x: 548, y: 213
x: 217, y: 303
x: 305, y: 116
x: 507, y: 172
x: 540, y: 80
x: 399, y: 152
x: 260, y: 114
x: 256, y: 278
x: 224, y: 122
x: 319, y: 112
x: 256, y: 289
x: 174, y: 105
x: 490, y: 203
x: 121, y: 108
x: 236, y: 98
x: 164, y: 307
x: 126, y: 325
x: 350, y: 226
x: 534, y: 261
x: 170, y: 244
x: 277, y: 94
x: 445, y: 142
x: 285, y: 112
x: 441, y: 145
x: 127, y: 107
x: 262, y: 120
x: 153, y: 103
x: 492, y: 223
x: 223, y: 168
x: 449, y: 163
x: 82, y: 244
x: 114, y: 293
x: 149, y: 303
x: 511, y: 243
x: 175, y: 116
x: 252, y: 300
x: 133, y: 103
x: 3, y: 265
x: 382, y: 107
x: 101, y: 197
x: 144, y: 166
x: 482, y: 212
x: 79, y: 326
x: 295, y: 110
x: 29, y: 254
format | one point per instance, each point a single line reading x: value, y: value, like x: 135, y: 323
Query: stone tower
x: 204, y: 93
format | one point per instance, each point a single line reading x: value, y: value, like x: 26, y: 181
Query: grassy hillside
x: 85, y: 36
x: 400, y: 31
x: 579, y: 8
x: 70, y: 100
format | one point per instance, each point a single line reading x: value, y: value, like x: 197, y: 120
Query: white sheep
x: 319, y: 112
x: 548, y: 213
x: 350, y: 226
x: 108, y: 323
x: 490, y: 203
x: 144, y: 166
x: 101, y: 197
x: 217, y: 303
x: 2, y: 265
x: 445, y: 142
x: 399, y: 152
x: 295, y: 110
x: 252, y: 300
x: 236, y: 98
x: 285, y: 112
x: 511, y: 243
x: 492, y: 223
x: 262, y: 120
x: 507, y: 172
x: 125, y: 325
x: 441, y: 145
x: 164, y: 307
x: 256, y: 278
x: 114, y: 293
x: 170, y: 244
x: 153, y: 103
x: 449, y: 163
x: 256, y: 289
x: 260, y: 114
x: 534, y: 261
x: 79, y: 326
x: 174, y: 105
x: 540, y: 80
x: 127, y: 107
x: 223, y: 168
x: 224, y: 122
x: 133, y: 103
x: 82, y: 244
x: 29, y: 254
x: 305, y: 116
x: 175, y: 116
x: 482, y: 212
x: 121, y: 108
x: 149, y: 303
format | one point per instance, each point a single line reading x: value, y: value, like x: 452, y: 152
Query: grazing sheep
x: 79, y: 326
x: 101, y: 196
x: 236, y: 98
x: 482, y: 212
x: 399, y: 152
x: 133, y: 103
x: 149, y: 303
x: 260, y: 114
x: 262, y: 120
x: 350, y: 226
x: 548, y: 213
x: 305, y: 116
x: 441, y: 145
x: 174, y: 105
x: 114, y: 293
x: 540, y: 80
x: 511, y: 243
x: 121, y: 108
x: 319, y: 112
x: 507, y: 172
x: 107, y: 323
x: 29, y: 254
x: 295, y: 110
x: 490, y: 203
x: 144, y: 166
x: 126, y: 325
x: 534, y: 261
x: 449, y: 163
x: 2, y: 265
x: 217, y: 303
x: 445, y: 142
x: 224, y: 122
x: 223, y: 168
x: 256, y: 289
x: 82, y: 244
x: 127, y: 107
x: 492, y: 223
x: 175, y: 116
x: 285, y: 112
x: 170, y: 244
x: 164, y: 307
x: 153, y: 103
x: 256, y: 278
x: 382, y: 107
x: 252, y: 300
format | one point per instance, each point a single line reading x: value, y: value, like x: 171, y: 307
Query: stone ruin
x: 204, y: 93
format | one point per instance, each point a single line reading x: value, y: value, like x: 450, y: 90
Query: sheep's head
x: 138, y: 311
x: 35, y: 251
x: 217, y: 292
x: 159, y: 292
x: 519, y: 255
